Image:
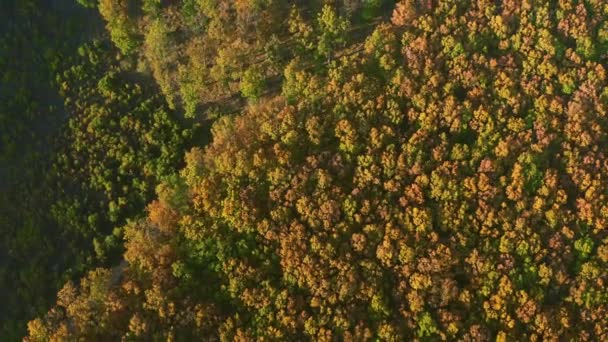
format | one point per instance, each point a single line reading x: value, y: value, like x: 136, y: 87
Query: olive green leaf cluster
x: 120, y: 141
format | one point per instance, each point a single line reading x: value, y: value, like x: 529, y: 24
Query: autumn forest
x: 303, y: 170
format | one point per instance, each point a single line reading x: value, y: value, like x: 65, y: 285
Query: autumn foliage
x: 448, y: 181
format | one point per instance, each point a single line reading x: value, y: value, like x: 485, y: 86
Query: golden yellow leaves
x: 347, y: 135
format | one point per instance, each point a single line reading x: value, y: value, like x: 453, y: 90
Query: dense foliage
x: 84, y: 143
x: 34, y: 46
x: 445, y: 179
x: 201, y: 51
x: 120, y: 142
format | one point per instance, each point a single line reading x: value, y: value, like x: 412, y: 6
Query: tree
x: 332, y: 31
x: 119, y: 24
x: 252, y: 83
x: 404, y: 13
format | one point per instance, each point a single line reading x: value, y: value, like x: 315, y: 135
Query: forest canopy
x: 373, y: 171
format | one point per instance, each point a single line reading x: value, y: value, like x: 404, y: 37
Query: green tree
x: 252, y: 83
x: 332, y: 31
